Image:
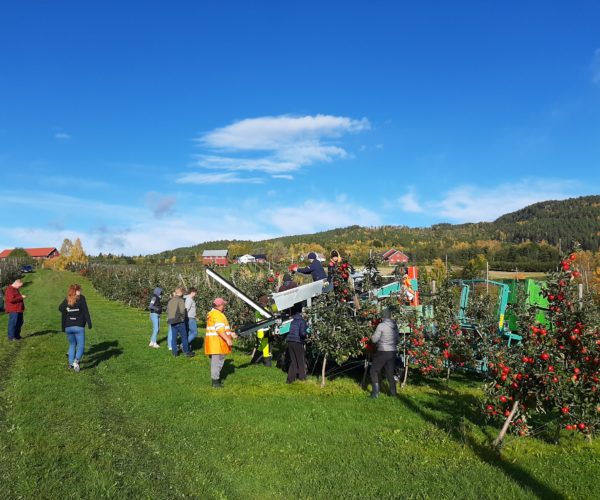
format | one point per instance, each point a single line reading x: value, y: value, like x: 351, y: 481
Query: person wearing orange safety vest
x: 218, y: 340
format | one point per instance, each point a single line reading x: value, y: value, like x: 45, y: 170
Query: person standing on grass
x: 386, y: 338
x: 14, y: 305
x: 295, y: 348
x: 190, y: 307
x: 218, y: 341
x: 75, y: 315
x: 176, y: 318
x: 155, y: 312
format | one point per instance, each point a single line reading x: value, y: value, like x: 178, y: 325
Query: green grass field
x: 138, y: 423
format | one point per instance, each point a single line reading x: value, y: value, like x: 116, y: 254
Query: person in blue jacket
x: 155, y: 307
x: 315, y: 268
x: 295, y: 348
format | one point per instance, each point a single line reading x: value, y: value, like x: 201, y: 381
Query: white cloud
x: 62, y: 136
x: 475, y: 204
x: 224, y: 178
x: 595, y: 66
x: 317, y: 215
x: 276, y: 144
x: 409, y: 202
x: 283, y: 176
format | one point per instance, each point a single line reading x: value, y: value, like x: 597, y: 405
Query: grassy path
x: 137, y: 423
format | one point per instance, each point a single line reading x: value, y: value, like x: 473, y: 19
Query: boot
x: 268, y: 361
x: 216, y: 384
x: 375, y: 391
x: 393, y: 391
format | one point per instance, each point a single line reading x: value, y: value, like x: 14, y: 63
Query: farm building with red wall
x: 394, y: 257
x: 36, y: 253
x: 215, y: 257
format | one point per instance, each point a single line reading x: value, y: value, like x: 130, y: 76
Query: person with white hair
x: 386, y: 338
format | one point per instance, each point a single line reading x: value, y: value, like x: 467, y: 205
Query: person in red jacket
x: 15, y: 306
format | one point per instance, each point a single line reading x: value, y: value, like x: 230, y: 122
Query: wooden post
x: 323, y: 371
x: 511, y: 415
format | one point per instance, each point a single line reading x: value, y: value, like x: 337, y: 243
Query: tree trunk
x: 405, y: 374
x: 323, y: 371
x: 447, y: 374
x: 498, y: 441
x: 364, y: 379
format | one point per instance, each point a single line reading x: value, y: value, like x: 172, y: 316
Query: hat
x: 386, y: 313
x: 219, y: 302
x: 312, y: 255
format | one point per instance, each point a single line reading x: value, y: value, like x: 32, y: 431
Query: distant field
x: 138, y: 423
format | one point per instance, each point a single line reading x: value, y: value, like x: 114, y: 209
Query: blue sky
x: 145, y: 126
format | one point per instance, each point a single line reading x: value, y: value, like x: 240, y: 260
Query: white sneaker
x: 156, y: 346
x: 76, y: 365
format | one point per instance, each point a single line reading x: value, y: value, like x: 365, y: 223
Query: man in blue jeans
x: 190, y: 308
x: 176, y: 318
x: 15, y: 306
x: 155, y: 307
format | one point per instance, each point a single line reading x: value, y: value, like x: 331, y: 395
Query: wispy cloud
x: 62, y: 136
x: 223, y: 178
x: 470, y: 203
x: 409, y: 203
x: 275, y: 144
x: 596, y: 67
x: 71, y: 182
x: 160, y: 205
x: 316, y: 215
x: 283, y: 176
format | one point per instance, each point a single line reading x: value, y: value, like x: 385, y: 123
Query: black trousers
x: 297, y: 361
x: 386, y: 360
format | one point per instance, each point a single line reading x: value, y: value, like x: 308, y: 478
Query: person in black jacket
x: 155, y: 307
x: 295, y: 345
x: 75, y: 315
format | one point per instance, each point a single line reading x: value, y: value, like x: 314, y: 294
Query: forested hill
x: 528, y: 238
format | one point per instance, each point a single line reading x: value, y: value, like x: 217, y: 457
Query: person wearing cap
x: 315, y: 268
x: 333, y: 262
x: 218, y: 340
x: 176, y: 318
x: 386, y: 338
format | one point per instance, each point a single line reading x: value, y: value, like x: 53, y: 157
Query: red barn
x: 394, y: 257
x: 215, y: 257
x: 36, y: 253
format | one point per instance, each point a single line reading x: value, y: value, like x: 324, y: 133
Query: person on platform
x: 218, y: 340
x: 315, y: 268
x: 262, y: 349
x: 386, y: 338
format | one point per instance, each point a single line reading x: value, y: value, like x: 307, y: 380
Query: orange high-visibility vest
x: 216, y: 323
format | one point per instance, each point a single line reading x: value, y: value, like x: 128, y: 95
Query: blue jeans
x: 169, y: 335
x: 15, y: 322
x: 192, y: 329
x: 76, y: 338
x: 179, y: 330
x: 155, y: 318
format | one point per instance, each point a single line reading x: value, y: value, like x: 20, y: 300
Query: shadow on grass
x: 228, y: 369
x: 102, y: 352
x: 458, y: 412
x: 40, y: 333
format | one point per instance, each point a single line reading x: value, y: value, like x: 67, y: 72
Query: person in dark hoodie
x: 75, y: 316
x: 295, y: 347
x: 386, y: 339
x: 315, y: 268
x: 155, y: 307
